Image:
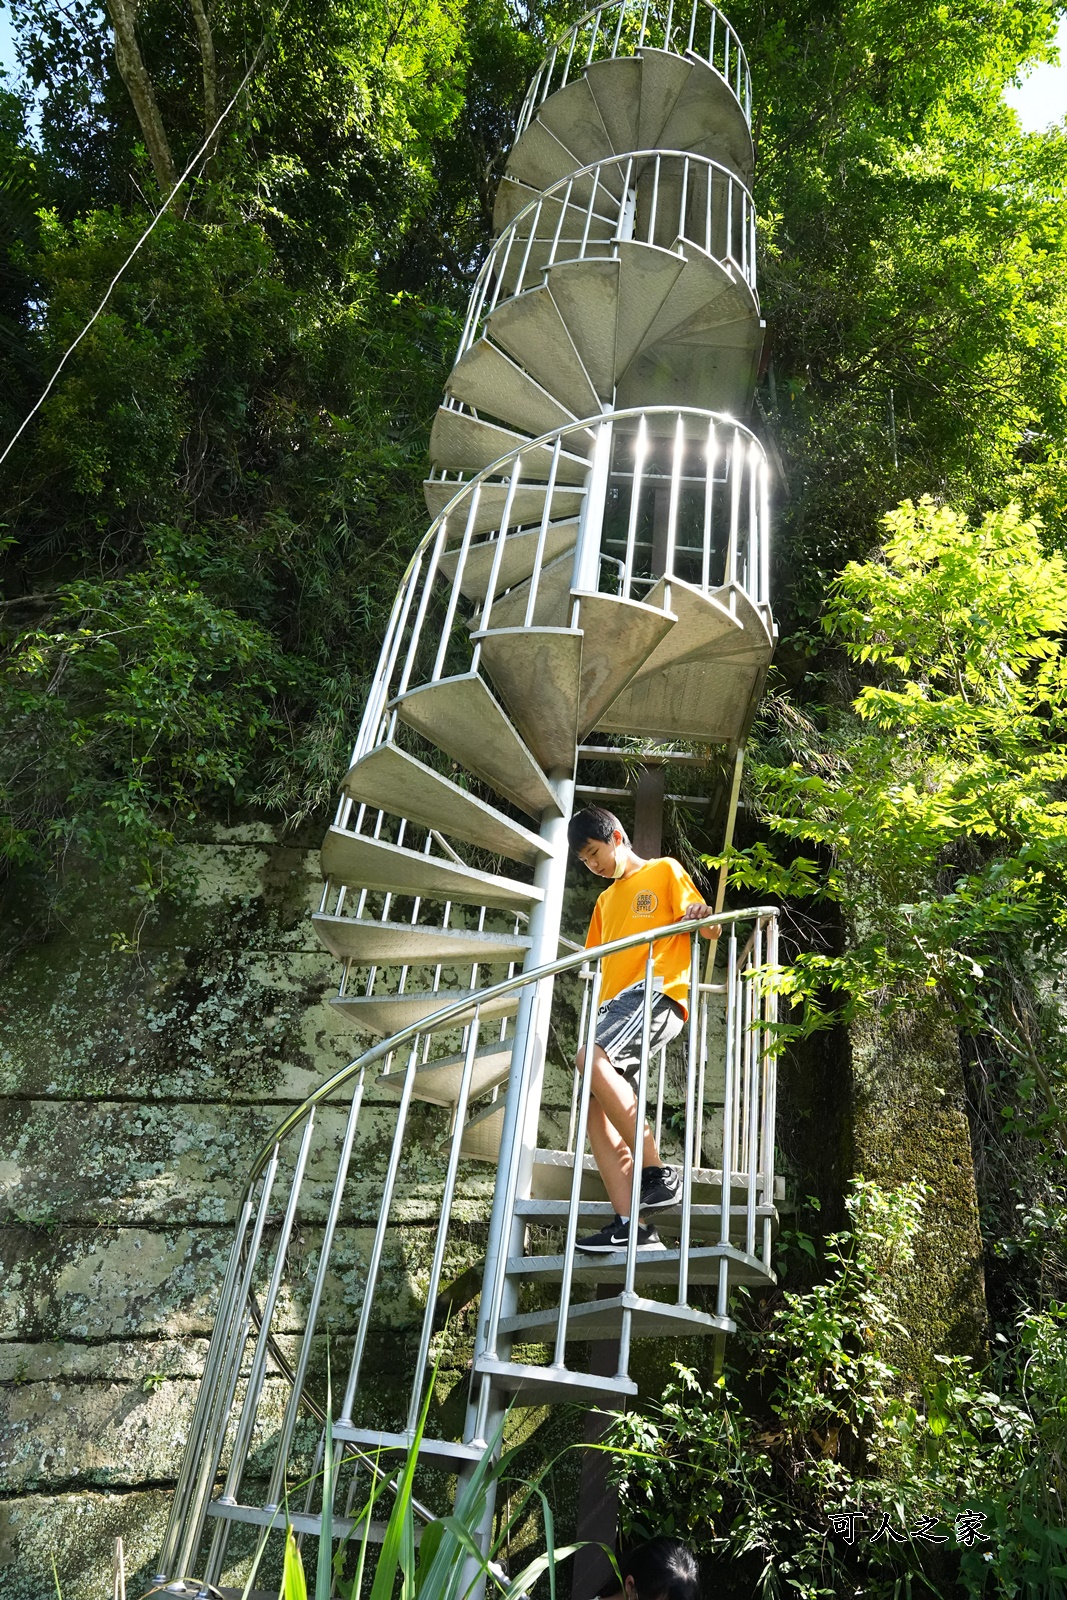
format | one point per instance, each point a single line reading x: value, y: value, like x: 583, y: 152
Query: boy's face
x: 599, y: 855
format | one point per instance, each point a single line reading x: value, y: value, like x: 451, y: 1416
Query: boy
x: 643, y: 895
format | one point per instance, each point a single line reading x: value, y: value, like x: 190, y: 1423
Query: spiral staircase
x: 593, y: 585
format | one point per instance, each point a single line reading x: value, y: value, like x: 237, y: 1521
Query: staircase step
x: 552, y: 607
x: 438, y: 1082
x: 481, y: 1135
x: 705, y: 627
x: 572, y: 115
x: 707, y: 120
x: 616, y: 88
x: 706, y: 1218
x: 462, y: 443
x: 527, y: 504
x: 601, y: 1319
x: 647, y: 275
x: 708, y: 702
x: 513, y: 196
x: 703, y: 290
x: 552, y: 1186
x: 664, y: 78
x: 461, y: 717
x: 549, y: 1386
x: 365, y: 863
x: 587, y: 295
x: 517, y: 561
x: 389, y: 779
x: 485, y: 378
x: 402, y: 944
x: 536, y: 672
x: 529, y: 327
x: 659, y: 1266
x: 387, y: 1013
x: 436, y: 1452
x: 539, y: 159
x: 526, y: 267
x: 685, y: 372
x: 617, y: 636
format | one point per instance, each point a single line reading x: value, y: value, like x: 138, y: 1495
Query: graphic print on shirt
x: 645, y: 903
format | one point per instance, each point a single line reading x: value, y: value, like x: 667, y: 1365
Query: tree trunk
x: 209, y: 68
x: 139, y: 86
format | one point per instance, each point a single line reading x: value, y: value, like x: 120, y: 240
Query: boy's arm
x: 691, y: 905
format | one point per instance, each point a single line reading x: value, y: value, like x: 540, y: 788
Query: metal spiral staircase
x: 595, y: 577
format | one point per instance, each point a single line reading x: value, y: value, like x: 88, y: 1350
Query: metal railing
x: 623, y: 27
x: 677, y: 494
x: 656, y: 197
x: 278, y: 1291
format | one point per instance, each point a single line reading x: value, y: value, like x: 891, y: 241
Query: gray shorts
x: 619, y: 1023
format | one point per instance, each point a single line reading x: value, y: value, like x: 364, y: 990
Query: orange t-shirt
x: 652, y: 897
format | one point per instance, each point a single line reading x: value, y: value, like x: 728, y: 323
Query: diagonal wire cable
x: 164, y: 208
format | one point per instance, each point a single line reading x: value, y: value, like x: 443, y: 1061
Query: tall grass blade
x: 294, y: 1584
x: 324, y: 1563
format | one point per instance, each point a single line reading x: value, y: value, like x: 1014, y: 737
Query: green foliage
x: 818, y: 1422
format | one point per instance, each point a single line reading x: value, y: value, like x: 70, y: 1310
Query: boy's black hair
x: 594, y: 823
x: 662, y: 1569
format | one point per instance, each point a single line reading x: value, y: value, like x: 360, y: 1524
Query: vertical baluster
x: 660, y: 1086
x: 765, y: 534
x: 560, y: 1356
x: 670, y: 23
x: 753, y: 455
x: 562, y: 217
x: 729, y: 219
x: 692, y: 23
x: 692, y: 1120
x: 711, y: 44
x: 533, y: 222
x: 501, y: 276
x: 498, y: 556
x: 626, y: 1321
x: 453, y: 599
x: 640, y: 452
x: 654, y: 206
x: 589, y: 213
x: 726, y: 52
x: 644, y: 25
x: 451, y: 1172
x: 752, y: 247
x: 755, y: 1084
x: 427, y: 591
x: 736, y: 458
x: 542, y: 534
x: 586, y: 977
x: 285, y: 1436
x: 682, y: 233
x: 709, y: 507
x: 709, y: 210
x: 567, y: 64
x: 618, y: 29
x: 676, y: 493
x: 593, y: 38
x: 379, y: 692
x: 770, y: 1107
x: 737, y: 70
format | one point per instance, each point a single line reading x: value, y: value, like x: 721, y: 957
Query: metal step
x: 658, y: 1266
x: 539, y: 159
x: 664, y: 77
x: 387, y: 1013
x: 299, y: 1521
x: 537, y: 673
x: 527, y: 504
x: 705, y: 627
x: 704, y: 291
x: 601, y: 1319
x: 616, y: 89
x: 707, y: 120
x: 647, y: 275
x: 403, y: 944
x: 461, y: 717
x: 551, y: 1185
x: 366, y: 863
x: 552, y: 607
x: 485, y: 378
x: 706, y: 701
x: 389, y: 779
x: 481, y: 1135
x: 587, y: 295
x: 531, y: 259
x: 438, y: 1082
x: 462, y: 443
x: 548, y: 1386
x: 706, y: 1218
x: 530, y: 328
x: 513, y: 196
x: 436, y: 1452
x: 516, y: 563
x: 572, y: 115
x: 617, y: 636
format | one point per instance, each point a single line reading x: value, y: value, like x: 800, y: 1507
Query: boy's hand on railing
x: 694, y: 913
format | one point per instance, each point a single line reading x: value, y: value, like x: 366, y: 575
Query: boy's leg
x: 612, y: 1121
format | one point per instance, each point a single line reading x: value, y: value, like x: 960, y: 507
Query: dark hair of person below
x: 662, y: 1569
x: 594, y: 823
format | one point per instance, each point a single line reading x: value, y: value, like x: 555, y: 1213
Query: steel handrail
x: 534, y: 97
x: 591, y: 169
x: 469, y: 486
x: 476, y: 999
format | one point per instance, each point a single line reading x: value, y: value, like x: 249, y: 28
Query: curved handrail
x: 744, y: 262
x: 469, y: 487
x: 723, y: 42
x: 436, y: 1020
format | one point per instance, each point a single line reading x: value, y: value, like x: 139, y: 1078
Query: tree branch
x: 209, y: 69
x: 134, y: 75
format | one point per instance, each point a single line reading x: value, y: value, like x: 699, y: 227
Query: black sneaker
x: 616, y: 1236
x: 660, y: 1187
